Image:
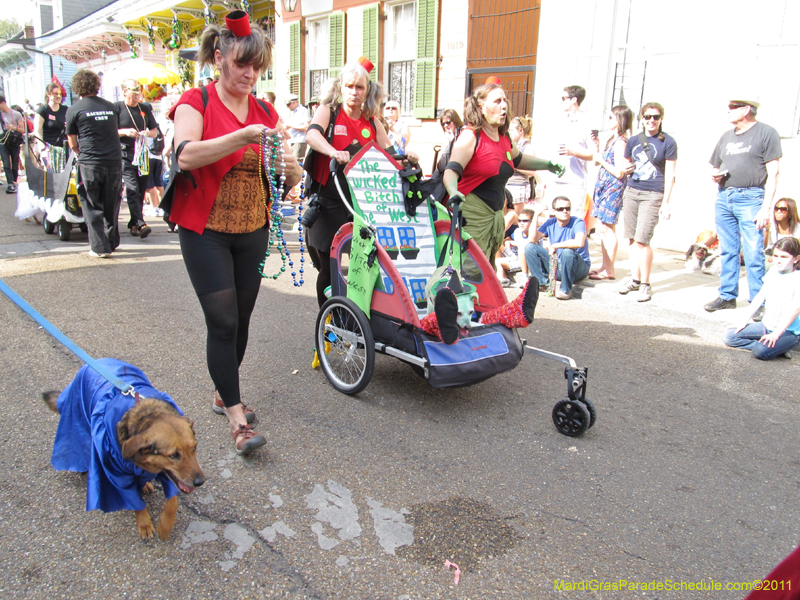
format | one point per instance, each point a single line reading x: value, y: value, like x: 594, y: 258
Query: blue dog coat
x: 86, y: 439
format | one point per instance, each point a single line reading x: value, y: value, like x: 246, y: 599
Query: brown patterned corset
x: 240, y: 203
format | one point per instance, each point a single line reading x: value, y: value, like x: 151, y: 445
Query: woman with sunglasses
x: 50, y: 124
x: 784, y: 221
x: 611, y: 179
x: 653, y: 155
x: 451, y: 123
x: 779, y: 329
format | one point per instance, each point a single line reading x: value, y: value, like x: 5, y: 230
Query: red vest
x: 192, y: 206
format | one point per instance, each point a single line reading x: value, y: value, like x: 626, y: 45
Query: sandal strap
x: 244, y: 431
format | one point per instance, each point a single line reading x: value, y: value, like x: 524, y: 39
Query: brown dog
x: 145, y: 439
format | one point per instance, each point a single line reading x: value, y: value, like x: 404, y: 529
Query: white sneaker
x: 563, y: 295
x: 94, y: 254
x: 645, y: 293
x: 149, y: 211
x: 627, y: 285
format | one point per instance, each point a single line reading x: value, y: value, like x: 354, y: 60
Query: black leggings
x: 223, y: 268
x: 322, y: 263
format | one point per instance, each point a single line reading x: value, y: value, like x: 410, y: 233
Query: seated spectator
x: 567, y: 237
x: 511, y: 258
x: 779, y: 330
x: 510, y: 216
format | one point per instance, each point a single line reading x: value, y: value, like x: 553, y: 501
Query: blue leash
x: 68, y: 343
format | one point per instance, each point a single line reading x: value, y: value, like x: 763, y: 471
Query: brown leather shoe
x: 247, y: 440
x: 218, y: 407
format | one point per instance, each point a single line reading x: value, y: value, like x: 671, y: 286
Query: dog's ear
x: 690, y: 251
x: 138, y: 444
x: 51, y: 400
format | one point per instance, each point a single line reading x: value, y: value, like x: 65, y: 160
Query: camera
x: 312, y: 211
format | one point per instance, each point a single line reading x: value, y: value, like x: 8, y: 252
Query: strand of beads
x: 271, y: 154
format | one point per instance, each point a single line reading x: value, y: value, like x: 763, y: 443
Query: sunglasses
x: 651, y: 117
x: 562, y: 209
x: 735, y: 105
x: 565, y: 98
x: 391, y: 108
x: 524, y: 220
x: 781, y: 209
x: 446, y: 123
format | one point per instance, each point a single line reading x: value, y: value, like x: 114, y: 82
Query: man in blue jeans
x: 745, y: 165
x: 567, y: 237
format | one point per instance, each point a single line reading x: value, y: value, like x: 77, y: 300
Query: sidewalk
x: 673, y: 288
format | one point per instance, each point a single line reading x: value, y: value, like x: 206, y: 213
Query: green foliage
x: 9, y: 28
x: 186, y: 71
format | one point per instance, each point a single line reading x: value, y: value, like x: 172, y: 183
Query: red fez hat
x: 493, y: 80
x: 366, y: 63
x: 238, y: 22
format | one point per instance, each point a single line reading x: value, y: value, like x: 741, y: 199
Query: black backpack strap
x: 204, y: 92
x: 646, y: 145
x: 332, y: 123
x: 265, y: 106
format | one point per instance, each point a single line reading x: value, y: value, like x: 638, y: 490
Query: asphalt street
x: 689, y: 475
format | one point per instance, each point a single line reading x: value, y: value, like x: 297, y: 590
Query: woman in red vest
x: 224, y: 221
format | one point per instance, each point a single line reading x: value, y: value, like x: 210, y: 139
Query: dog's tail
x: 51, y: 399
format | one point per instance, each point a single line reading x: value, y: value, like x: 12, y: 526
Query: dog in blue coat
x: 123, y: 443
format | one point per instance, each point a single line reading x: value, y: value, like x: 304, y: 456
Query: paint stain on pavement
x: 461, y: 530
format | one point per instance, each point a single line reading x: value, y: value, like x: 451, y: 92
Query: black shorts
x: 156, y: 177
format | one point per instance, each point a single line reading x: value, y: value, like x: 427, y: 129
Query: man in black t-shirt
x: 745, y: 165
x: 92, y: 135
x: 136, y: 121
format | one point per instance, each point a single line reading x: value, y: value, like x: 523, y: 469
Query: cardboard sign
x: 377, y: 192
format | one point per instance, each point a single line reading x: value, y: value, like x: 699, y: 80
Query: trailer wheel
x: 345, y: 345
x: 571, y: 417
x: 592, y: 411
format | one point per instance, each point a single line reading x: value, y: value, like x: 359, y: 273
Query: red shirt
x: 192, y: 206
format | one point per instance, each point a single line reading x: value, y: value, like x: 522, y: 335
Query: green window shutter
x: 426, y: 70
x: 294, y: 58
x: 336, y: 36
x: 370, y: 40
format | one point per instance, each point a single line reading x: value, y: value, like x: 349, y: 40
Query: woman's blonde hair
x: 526, y: 125
x: 473, y: 115
x: 254, y: 49
x: 375, y: 94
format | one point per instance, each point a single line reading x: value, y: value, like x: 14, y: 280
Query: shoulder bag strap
x: 643, y: 140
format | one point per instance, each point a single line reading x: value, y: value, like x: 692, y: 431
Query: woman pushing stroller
x: 350, y: 107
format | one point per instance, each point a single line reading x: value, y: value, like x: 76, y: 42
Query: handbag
x: 174, y: 172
